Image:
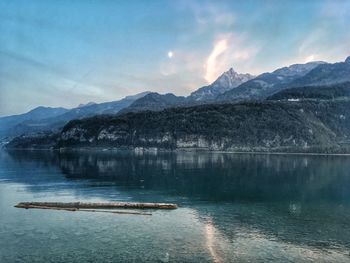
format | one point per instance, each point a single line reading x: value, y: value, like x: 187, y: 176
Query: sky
x: 66, y: 52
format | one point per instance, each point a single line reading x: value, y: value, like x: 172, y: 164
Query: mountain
x: 297, y: 70
x: 305, y: 126
x: 112, y: 107
x: 325, y: 74
x: 227, y: 81
x: 229, y: 87
x: 9, y: 122
x: 300, y: 108
x: 87, y: 104
x: 47, y: 119
x: 328, y: 92
x: 234, y: 87
x: 155, y: 101
x: 267, y: 84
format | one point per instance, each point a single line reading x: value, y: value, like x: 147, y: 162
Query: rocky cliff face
x: 227, y: 81
x: 269, y: 126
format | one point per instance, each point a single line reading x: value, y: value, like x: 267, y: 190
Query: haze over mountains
x: 300, y: 82
x: 51, y: 119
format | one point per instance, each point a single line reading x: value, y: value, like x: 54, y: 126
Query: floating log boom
x: 110, y: 205
x: 128, y: 212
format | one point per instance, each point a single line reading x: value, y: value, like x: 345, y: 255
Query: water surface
x: 233, y: 207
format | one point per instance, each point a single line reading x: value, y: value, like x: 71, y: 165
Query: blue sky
x: 63, y: 52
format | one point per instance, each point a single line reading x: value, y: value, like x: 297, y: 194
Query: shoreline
x: 155, y: 151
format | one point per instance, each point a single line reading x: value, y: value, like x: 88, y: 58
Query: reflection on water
x: 209, y: 235
x: 233, y: 207
x: 209, y: 177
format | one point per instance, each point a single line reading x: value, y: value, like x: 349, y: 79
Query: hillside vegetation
x: 336, y: 91
x: 307, y: 126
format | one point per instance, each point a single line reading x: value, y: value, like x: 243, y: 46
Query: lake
x: 232, y: 207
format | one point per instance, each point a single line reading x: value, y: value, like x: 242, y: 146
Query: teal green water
x: 232, y: 207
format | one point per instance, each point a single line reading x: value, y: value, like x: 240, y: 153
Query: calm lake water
x: 233, y: 207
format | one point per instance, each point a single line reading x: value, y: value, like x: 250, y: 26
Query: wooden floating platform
x: 73, y: 206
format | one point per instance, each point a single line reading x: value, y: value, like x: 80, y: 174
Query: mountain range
x: 51, y: 119
x: 268, y: 83
x: 300, y: 107
x: 232, y: 87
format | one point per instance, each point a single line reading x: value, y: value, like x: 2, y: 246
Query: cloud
x: 336, y: 9
x: 230, y: 50
x: 326, y: 39
x: 219, y: 46
x: 207, y: 13
x: 310, y: 58
x: 319, y: 45
x: 211, y: 16
x: 312, y: 40
x: 195, y: 68
x: 211, y: 71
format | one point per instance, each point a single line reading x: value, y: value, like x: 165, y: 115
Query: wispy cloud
x: 321, y: 42
x: 207, y: 14
x: 310, y: 58
x: 212, y: 62
x: 338, y: 9
x: 318, y: 46
x: 228, y: 51
x: 196, y: 68
x: 230, y: 47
